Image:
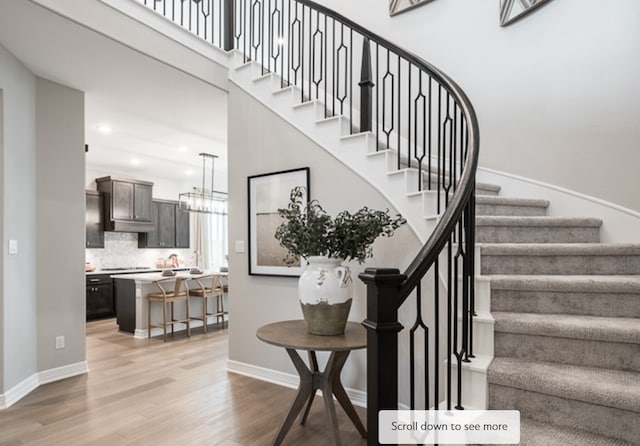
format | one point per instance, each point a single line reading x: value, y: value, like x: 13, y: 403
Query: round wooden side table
x: 293, y: 336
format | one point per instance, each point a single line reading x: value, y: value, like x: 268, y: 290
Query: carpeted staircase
x: 567, y: 324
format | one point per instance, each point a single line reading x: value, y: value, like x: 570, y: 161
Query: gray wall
x: 61, y: 223
x: 18, y: 297
x: 42, y: 207
x: 261, y: 142
x: 556, y: 93
x: 3, y: 245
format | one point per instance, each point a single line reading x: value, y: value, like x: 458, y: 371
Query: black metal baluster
x: 310, y: 56
x: 436, y: 328
x: 318, y: 39
x: 409, y: 87
x: 326, y: 63
x: 399, y: 131
x: 302, y: 26
x: 334, y: 72
x: 439, y: 190
x: 429, y: 154
x: 366, y: 86
x: 388, y: 86
x: 465, y: 283
x: 471, y: 235
x: 449, y: 320
x: 341, y: 95
x: 419, y: 102
x: 378, y: 97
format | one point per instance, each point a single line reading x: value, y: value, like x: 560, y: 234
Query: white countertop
x: 150, y: 277
x: 122, y: 271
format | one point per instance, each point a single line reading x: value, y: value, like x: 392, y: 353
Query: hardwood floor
x: 147, y: 392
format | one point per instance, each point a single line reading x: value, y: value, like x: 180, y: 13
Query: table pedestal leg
x: 327, y: 381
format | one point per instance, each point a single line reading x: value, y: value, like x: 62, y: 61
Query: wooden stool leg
x: 172, y: 319
x: 204, y: 313
x: 164, y: 319
x: 188, y: 319
x: 148, y: 319
x: 220, y: 308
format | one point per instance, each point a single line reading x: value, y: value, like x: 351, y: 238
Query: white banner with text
x: 449, y: 427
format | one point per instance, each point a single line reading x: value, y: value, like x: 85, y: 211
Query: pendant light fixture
x: 204, y: 200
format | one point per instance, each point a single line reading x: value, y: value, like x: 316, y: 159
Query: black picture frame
x: 266, y: 193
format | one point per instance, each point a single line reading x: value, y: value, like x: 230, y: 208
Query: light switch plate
x: 240, y: 246
x: 13, y: 246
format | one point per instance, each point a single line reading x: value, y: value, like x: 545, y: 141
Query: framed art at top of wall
x: 398, y: 6
x: 268, y: 193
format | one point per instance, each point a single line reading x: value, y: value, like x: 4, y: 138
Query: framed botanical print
x: 267, y: 193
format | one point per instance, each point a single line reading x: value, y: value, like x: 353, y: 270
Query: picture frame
x: 398, y: 6
x: 267, y: 193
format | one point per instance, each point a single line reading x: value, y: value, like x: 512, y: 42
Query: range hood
x: 128, y: 226
x: 127, y: 204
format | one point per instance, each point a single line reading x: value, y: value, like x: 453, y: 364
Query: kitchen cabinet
x: 94, y: 220
x: 183, y: 229
x: 171, y: 227
x: 99, y: 296
x: 166, y: 225
x: 128, y: 204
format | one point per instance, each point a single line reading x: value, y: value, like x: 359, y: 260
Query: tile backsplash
x: 121, y: 250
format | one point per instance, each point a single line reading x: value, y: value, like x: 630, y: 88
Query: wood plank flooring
x: 147, y: 392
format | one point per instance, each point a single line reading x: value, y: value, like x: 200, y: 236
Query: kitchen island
x: 131, y: 292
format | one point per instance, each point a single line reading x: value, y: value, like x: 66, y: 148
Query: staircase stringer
x: 357, y: 151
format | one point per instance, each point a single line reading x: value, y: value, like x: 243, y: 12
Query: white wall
x: 18, y: 298
x: 261, y: 142
x: 61, y: 224
x: 556, y: 93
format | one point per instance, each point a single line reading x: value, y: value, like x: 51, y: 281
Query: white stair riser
x: 483, y: 331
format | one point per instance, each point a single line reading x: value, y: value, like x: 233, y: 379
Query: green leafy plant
x: 307, y: 230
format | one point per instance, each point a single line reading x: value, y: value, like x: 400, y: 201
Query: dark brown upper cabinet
x: 127, y: 204
x: 94, y: 219
x: 171, y: 227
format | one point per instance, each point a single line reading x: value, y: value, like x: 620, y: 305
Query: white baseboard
x: 64, y: 372
x: 28, y: 385
x: 19, y: 391
x: 357, y: 397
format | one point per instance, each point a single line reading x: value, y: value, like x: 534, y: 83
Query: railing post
x: 366, y: 86
x: 228, y: 25
x: 382, y: 344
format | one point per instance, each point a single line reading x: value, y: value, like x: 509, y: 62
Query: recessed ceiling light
x: 189, y: 172
x: 135, y: 161
x: 183, y: 149
x: 105, y: 128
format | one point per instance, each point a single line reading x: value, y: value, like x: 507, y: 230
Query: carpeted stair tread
x: 487, y: 189
x: 511, y: 221
x: 536, y: 433
x: 604, y: 296
x: 559, y: 258
x: 578, y: 249
x: 511, y: 201
x: 603, y: 329
x: 611, y: 388
x: 537, y: 229
x: 569, y: 283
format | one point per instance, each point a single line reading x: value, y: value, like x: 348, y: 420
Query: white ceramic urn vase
x: 325, y: 290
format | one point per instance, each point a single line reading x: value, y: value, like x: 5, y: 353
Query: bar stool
x: 165, y: 297
x: 215, y: 290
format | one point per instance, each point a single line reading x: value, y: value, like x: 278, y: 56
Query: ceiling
x: 159, y: 118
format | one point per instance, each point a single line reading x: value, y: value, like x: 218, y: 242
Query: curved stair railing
x: 427, y: 124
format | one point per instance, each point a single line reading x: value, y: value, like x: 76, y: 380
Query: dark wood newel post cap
x: 382, y: 275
